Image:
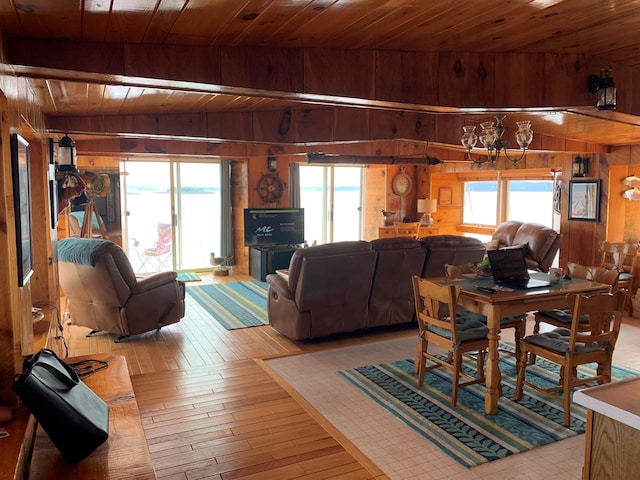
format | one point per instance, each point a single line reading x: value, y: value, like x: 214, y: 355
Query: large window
x: 172, y: 219
x: 480, y: 203
x: 332, y: 201
x: 519, y: 196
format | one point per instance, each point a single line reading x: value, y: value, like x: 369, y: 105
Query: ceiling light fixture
x: 605, y: 88
x: 491, y: 139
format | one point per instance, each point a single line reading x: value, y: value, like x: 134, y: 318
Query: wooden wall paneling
x: 338, y: 72
x: 10, y: 358
x: 466, y: 79
x: 351, y: 124
x: 62, y: 54
x: 374, y: 200
x: 187, y: 124
x: 231, y: 125
x: 43, y: 286
x: 240, y: 201
x: 175, y: 62
x: 409, y: 77
x: 448, y: 217
x: 393, y: 202
x: 616, y: 226
x: 565, y: 78
x: 523, y: 85
x: 101, y: 164
x: 266, y: 68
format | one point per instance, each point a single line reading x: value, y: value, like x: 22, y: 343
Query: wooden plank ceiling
x: 89, y: 95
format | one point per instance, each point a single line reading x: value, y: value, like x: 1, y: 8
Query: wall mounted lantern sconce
x: 580, y: 166
x: 604, y: 86
x: 427, y: 206
x: 491, y: 139
x: 66, y: 155
x: 272, y: 164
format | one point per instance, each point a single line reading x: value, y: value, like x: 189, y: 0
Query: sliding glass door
x: 171, y: 215
x: 332, y: 200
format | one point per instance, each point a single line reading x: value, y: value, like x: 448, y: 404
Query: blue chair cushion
x: 483, y: 319
x: 468, y: 328
x: 563, y: 315
x: 558, y: 341
x: 624, y: 276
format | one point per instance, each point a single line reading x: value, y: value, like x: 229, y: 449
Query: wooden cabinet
x: 389, y: 232
x: 612, y: 443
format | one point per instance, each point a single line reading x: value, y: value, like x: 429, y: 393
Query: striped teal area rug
x: 234, y: 304
x: 465, y: 432
x: 189, y: 277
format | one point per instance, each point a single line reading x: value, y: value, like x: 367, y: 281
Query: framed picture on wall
x: 22, y: 206
x: 584, y: 200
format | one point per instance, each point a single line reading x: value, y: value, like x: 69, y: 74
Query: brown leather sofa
x: 103, y: 293
x: 542, y: 243
x: 350, y: 286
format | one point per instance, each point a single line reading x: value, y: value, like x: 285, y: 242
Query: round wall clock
x: 401, y: 183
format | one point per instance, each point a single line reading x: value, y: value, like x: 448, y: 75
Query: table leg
x: 493, y: 377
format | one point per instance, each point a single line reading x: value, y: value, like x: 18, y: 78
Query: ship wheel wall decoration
x: 270, y: 187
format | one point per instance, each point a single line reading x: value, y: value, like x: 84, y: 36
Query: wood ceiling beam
x: 440, y: 79
x: 308, y: 129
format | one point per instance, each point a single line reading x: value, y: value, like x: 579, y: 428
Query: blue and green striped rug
x: 233, y: 304
x: 189, y: 277
x: 465, y: 432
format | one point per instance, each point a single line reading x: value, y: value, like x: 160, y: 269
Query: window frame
x: 502, y: 178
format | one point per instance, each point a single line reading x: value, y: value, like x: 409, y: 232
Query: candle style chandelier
x: 491, y: 139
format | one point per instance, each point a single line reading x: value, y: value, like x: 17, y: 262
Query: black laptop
x: 509, y: 269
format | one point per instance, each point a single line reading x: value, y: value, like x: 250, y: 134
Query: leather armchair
x: 542, y: 243
x: 104, y: 294
x: 326, y: 292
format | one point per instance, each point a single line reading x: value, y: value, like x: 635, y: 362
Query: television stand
x: 267, y: 259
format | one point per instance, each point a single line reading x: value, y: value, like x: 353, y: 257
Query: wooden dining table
x: 508, y: 303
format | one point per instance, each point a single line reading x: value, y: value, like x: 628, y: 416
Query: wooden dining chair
x: 517, y: 322
x: 621, y: 257
x: 407, y: 229
x: 458, y: 335
x: 562, y: 317
x: 627, y: 259
x: 570, y: 347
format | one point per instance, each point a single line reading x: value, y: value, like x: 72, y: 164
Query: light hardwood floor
x: 211, y: 411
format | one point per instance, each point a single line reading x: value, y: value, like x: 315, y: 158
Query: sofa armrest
x: 280, y: 286
x: 145, y: 284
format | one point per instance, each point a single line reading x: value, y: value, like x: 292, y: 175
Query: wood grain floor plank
x: 211, y: 411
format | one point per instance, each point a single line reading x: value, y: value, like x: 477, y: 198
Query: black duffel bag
x: 72, y: 415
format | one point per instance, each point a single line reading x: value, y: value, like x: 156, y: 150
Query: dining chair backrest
x: 595, y: 273
x: 605, y: 317
x: 433, y: 304
x: 404, y: 229
x: 609, y: 254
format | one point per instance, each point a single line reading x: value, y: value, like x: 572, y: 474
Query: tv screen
x: 273, y: 226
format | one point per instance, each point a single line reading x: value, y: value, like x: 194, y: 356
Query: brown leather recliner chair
x: 542, y: 243
x: 391, y: 300
x: 327, y: 291
x: 103, y: 293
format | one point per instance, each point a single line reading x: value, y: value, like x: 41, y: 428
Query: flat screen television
x: 273, y: 226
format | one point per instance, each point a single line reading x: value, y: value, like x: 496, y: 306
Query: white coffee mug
x: 555, y: 274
